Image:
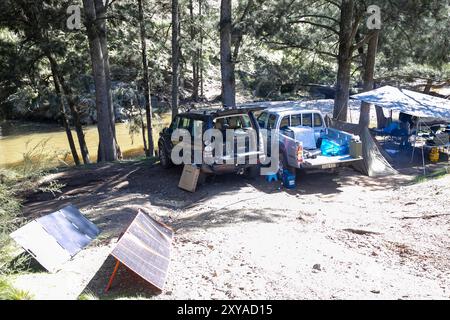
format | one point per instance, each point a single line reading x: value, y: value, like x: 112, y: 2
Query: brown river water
x: 18, y: 138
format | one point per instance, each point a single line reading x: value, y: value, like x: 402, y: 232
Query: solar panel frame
x: 145, y: 249
x: 57, y: 237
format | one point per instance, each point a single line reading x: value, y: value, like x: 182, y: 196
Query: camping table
x: 421, y: 143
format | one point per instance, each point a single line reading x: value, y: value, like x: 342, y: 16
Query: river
x: 18, y: 138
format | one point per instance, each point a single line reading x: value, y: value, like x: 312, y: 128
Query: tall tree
x: 344, y: 60
x: 195, y: 51
x: 175, y: 56
x: 64, y: 120
x: 66, y: 92
x: 368, y: 77
x: 96, y: 32
x: 146, y: 81
x: 200, y: 50
x: 226, y: 58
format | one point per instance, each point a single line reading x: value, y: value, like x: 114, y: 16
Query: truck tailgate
x: 329, y: 162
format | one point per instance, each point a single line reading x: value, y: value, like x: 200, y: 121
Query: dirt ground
x: 336, y: 236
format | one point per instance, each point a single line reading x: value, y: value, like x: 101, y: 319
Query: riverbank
x: 19, y: 138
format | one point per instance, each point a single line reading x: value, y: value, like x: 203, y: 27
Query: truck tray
x: 329, y: 162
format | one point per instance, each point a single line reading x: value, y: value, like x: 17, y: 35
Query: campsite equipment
x: 391, y: 127
x: 144, y: 249
x: 189, y: 178
x: 288, y: 179
x: 306, y: 135
x: 434, y: 155
x: 332, y: 148
x: 356, y: 150
x: 416, y: 104
x: 272, y: 177
x: 56, y: 238
x: 313, y: 154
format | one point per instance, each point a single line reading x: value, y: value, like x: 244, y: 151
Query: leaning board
x: 145, y: 249
x: 57, y: 237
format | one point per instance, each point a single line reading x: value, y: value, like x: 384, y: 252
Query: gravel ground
x: 337, y: 236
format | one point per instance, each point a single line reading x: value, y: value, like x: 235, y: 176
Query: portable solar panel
x: 144, y: 248
x: 57, y: 237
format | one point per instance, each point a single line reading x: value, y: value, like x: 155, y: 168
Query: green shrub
x: 21, y: 180
x: 9, y: 212
x: 8, y: 292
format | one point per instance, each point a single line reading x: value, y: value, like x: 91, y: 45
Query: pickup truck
x: 301, y: 133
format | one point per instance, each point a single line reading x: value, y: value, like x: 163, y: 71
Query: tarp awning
x: 406, y: 101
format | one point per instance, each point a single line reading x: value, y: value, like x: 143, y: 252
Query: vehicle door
x: 262, y: 122
x: 272, y: 122
x: 197, y: 128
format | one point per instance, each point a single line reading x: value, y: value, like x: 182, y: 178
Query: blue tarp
x: 406, y: 101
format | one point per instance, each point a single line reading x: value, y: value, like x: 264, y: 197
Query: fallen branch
x: 361, y: 232
x: 427, y: 217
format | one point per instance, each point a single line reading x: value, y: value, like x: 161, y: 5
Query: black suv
x: 241, y: 120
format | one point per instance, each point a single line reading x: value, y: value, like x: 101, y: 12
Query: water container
x: 288, y: 180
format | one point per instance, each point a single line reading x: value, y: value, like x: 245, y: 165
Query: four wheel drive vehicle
x: 235, y: 158
x: 305, y: 141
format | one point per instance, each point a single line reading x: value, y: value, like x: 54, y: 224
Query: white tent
x: 409, y: 102
x: 406, y: 101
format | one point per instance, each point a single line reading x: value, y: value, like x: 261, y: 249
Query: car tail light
x: 300, y: 153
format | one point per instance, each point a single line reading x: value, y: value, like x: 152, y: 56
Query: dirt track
x: 337, y: 236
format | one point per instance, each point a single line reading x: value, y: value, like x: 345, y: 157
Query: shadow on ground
x: 126, y: 284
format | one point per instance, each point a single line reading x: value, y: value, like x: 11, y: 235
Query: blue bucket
x: 289, y: 180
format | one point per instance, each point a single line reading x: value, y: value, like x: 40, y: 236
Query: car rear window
x: 307, y: 120
x: 234, y: 122
x: 318, y: 120
x: 296, y: 120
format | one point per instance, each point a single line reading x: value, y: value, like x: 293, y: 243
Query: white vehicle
x: 301, y: 133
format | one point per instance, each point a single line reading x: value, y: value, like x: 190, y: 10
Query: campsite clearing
x: 337, y: 236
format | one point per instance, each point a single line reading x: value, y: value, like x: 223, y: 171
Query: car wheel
x: 164, y: 159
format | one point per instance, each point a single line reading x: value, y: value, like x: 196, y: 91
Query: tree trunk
x: 369, y: 71
x: 64, y: 120
x: 107, y: 150
x: 175, y: 57
x: 103, y: 35
x: 146, y: 84
x: 200, y: 52
x: 226, y: 62
x: 344, y: 61
x: 428, y: 86
x: 67, y: 93
x: 195, y: 53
